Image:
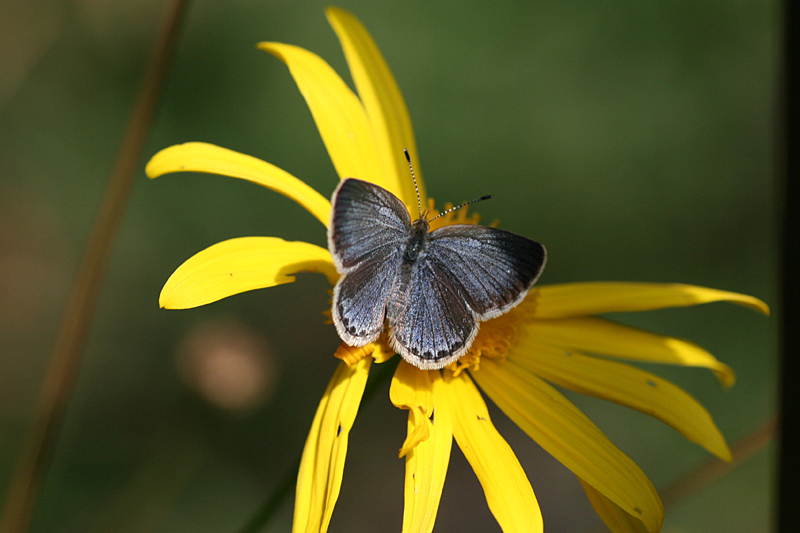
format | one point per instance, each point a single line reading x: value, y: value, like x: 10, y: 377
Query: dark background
x: 636, y: 141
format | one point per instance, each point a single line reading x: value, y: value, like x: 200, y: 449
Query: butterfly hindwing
x: 491, y: 268
x: 431, y: 325
x: 359, y: 300
x: 368, y: 228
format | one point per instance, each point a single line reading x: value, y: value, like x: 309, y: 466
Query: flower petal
x: 203, y: 157
x: 569, y: 436
x: 411, y: 389
x: 426, y: 466
x: 337, y: 111
x: 600, y: 336
x: 508, y: 491
x: 623, y: 384
x: 322, y: 464
x: 617, y: 520
x: 240, y: 265
x: 594, y: 298
x: 384, y: 104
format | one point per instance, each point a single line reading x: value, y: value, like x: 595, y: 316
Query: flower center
x: 497, y: 336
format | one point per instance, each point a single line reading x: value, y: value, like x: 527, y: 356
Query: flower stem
x: 64, y: 362
x: 265, y: 512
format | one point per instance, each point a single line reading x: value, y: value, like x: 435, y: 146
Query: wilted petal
x: 600, y: 336
x: 507, y: 489
x: 617, y: 520
x: 569, y: 436
x: 383, y: 103
x: 322, y: 464
x: 338, y: 113
x: 426, y: 465
x: 202, y: 157
x: 623, y: 384
x: 239, y: 265
x: 594, y: 298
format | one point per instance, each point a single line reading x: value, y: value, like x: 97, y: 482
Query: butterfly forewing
x: 368, y: 228
x: 491, y: 268
x: 367, y: 223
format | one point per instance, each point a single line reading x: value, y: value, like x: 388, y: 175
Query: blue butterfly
x: 434, y: 288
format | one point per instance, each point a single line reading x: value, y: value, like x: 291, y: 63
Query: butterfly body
x: 432, y: 287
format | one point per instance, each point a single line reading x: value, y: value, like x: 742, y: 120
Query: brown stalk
x: 64, y: 362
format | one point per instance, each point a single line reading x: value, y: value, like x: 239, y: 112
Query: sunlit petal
x: 569, y: 436
x: 239, y: 265
x: 383, y: 103
x: 203, y: 157
x: 594, y: 298
x: 617, y: 520
x: 322, y: 465
x: 338, y: 113
x: 623, y: 384
x: 507, y: 489
x: 600, y: 336
x: 426, y: 466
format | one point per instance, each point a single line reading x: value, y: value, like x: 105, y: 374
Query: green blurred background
x: 636, y: 140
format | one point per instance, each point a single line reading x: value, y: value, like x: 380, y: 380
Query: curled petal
x: 322, y: 465
x: 507, y: 489
x: 594, y: 298
x: 426, y: 466
x: 569, y: 436
x: 203, y: 157
x: 600, y: 336
x: 240, y: 265
x: 338, y: 113
x: 617, y: 520
x: 411, y: 389
x: 625, y: 385
x: 383, y: 103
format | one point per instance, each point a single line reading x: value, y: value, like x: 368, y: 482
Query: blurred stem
x: 64, y: 361
x: 284, y: 488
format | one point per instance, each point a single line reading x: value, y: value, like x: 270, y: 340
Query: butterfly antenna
x: 456, y: 208
x: 419, y: 203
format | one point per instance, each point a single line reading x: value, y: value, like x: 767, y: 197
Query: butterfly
x: 433, y: 288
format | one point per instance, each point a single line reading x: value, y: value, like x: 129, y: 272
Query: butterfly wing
x: 431, y: 324
x: 365, y: 237
x: 491, y: 268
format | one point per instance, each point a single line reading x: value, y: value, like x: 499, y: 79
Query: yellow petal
x: 383, y: 103
x: 569, y: 436
x: 426, y: 466
x: 625, y: 385
x: 240, y: 265
x: 322, y: 464
x: 202, y: 157
x: 600, y: 336
x: 411, y: 389
x: 617, y: 520
x: 507, y: 489
x: 594, y: 298
x: 338, y: 113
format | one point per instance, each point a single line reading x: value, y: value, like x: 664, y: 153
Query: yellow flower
x: 552, y: 338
